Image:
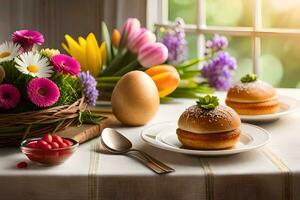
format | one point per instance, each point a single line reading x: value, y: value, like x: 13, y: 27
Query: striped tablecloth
x: 271, y: 173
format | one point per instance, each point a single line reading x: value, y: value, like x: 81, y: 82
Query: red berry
x: 22, y: 165
x: 54, y: 145
x: 56, y: 138
x: 32, y: 144
x: 68, y: 142
x: 47, y: 138
x: 62, y: 145
x: 48, y: 146
x: 41, y: 143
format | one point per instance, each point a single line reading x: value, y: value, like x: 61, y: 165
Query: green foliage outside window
x: 280, y: 55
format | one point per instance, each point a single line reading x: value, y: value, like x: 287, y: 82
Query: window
x: 264, y: 35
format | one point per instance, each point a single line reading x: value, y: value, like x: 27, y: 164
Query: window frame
x: 157, y: 15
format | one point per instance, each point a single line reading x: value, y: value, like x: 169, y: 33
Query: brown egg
x: 135, y: 99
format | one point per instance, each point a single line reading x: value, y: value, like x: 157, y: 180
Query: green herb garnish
x: 208, y: 102
x: 249, y: 78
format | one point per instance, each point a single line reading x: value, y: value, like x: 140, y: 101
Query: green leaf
x: 166, y: 99
x: 249, y: 78
x: 71, y: 89
x: 187, y: 84
x: 189, y: 63
x: 184, y: 94
x: 108, y: 79
x: 115, y: 64
x: 106, y: 84
x: 113, y: 51
x: 204, y: 90
x: 106, y: 39
x: 88, y: 117
x: 208, y: 102
x: 189, y: 74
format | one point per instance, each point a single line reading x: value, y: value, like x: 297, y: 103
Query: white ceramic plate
x: 163, y: 136
x: 287, y: 106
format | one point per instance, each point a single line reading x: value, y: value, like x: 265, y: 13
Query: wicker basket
x: 36, y: 123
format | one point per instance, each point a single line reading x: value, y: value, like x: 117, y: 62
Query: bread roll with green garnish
x: 208, y: 125
x: 251, y: 96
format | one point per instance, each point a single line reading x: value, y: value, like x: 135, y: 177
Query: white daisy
x: 8, y: 50
x: 34, y: 64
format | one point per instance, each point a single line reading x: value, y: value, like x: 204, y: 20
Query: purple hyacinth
x: 174, y: 40
x: 218, y: 71
x: 217, y: 43
x: 89, y: 87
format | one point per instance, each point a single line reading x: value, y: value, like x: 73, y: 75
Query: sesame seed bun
x: 253, y: 98
x: 252, y: 92
x: 198, y: 120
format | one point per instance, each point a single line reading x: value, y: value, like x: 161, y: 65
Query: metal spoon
x: 140, y: 158
x: 115, y: 142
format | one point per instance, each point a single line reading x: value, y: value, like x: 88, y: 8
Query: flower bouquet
x: 163, y: 56
x: 200, y: 75
x: 41, y: 91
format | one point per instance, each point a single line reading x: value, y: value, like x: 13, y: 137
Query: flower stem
x: 114, y: 65
x: 56, y: 76
x: 128, y: 57
x: 190, y: 63
x: 122, y: 42
x: 184, y: 94
x: 131, y: 66
x: 106, y: 85
x: 108, y: 79
x: 166, y: 99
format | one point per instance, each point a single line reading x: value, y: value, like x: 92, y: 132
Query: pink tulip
x: 131, y: 28
x: 152, y: 54
x: 143, y: 37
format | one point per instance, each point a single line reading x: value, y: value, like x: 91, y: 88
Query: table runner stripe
x: 90, y: 175
x: 209, y: 179
x: 97, y: 186
x: 93, y: 193
x: 287, y: 184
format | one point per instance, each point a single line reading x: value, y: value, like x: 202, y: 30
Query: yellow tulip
x: 103, y: 53
x: 87, y: 51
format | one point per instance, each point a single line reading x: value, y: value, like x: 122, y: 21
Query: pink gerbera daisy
x: 27, y: 38
x: 9, y: 96
x: 43, y: 92
x: 65, y: 64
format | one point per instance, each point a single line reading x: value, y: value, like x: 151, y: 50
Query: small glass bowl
x: 48, y: 156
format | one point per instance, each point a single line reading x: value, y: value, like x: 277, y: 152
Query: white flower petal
x: 11, y: 48
x: 31, y: 58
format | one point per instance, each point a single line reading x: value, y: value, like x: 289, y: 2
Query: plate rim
x: 273, y: 115
x: 159, y: 144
